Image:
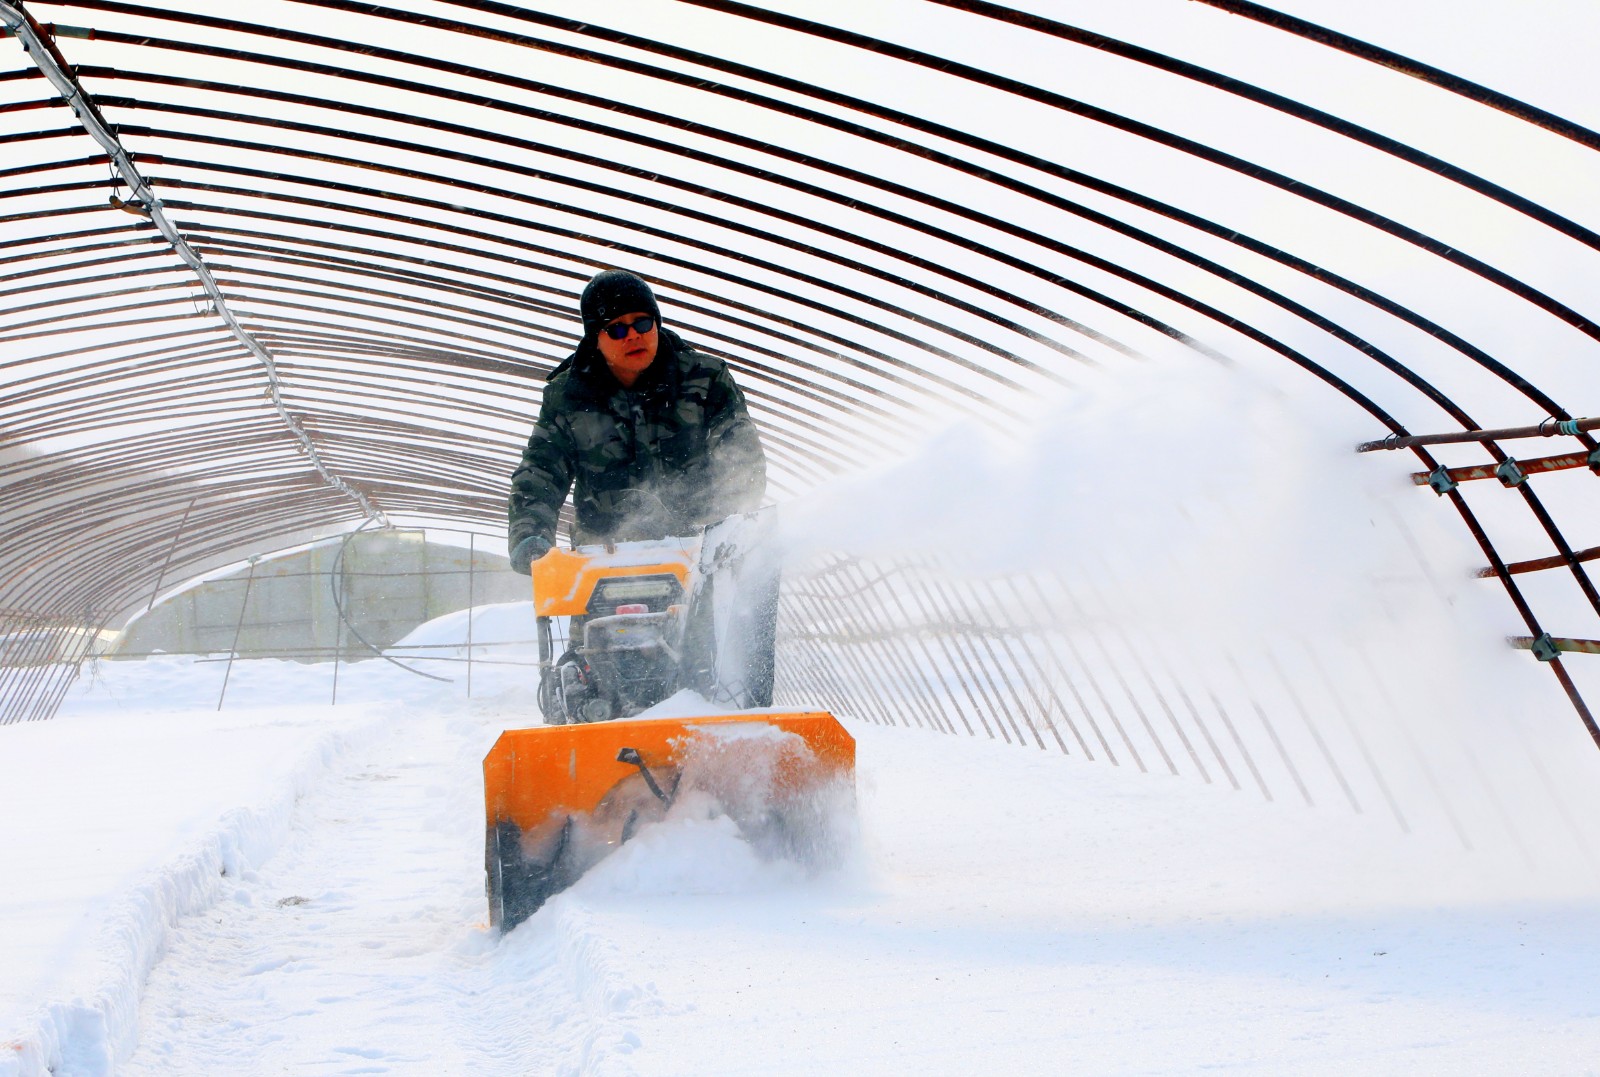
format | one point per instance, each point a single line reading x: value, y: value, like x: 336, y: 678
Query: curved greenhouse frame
x: 271, y: 279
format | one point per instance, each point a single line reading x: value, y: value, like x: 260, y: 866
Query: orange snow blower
x: 621, y: 628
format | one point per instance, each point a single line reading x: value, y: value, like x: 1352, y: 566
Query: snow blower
x: 621, y: 628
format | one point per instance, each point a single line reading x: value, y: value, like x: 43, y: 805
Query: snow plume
x: 1199, y: 490
x: 1190, y: 571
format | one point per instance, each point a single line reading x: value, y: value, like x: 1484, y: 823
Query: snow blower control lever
x: 632, y: 757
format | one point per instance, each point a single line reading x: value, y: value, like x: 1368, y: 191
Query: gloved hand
x: 527, y: 552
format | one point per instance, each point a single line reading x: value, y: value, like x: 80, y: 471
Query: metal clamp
x: 1440, y: 480
x: 1552, y: 426
x: 1544, y: 648
x: 1510, y: 473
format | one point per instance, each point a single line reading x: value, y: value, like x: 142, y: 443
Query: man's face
x: 629, y: 356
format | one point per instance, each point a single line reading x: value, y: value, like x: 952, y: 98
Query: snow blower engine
x: 625, y: 610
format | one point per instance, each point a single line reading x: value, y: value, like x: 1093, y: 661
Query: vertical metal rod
x: 1266, y: 723
x: 172, y: 549
x: 823, y: 678
x: 427, y: 579
x: 1165, y: 663
x: 1565, y: 680
x: 1072, y: 686
x: 1138, y: 648
x: 335, y: 584
x: 238, y: 627
x: 813, y: 671
x: 1577, y: 831
x: 953, y: 663
x: 796, y: 677
x: 56, y: 686
x: 55, y: 691
x: 822, y: 670
x: 1311, y: 727
x: 1032, y: 683
x: 816, y: 643
x: 1109, y: 662
x: 1272, y: 735
x: 1120, y: 631
x: 472, y: 579
x: 7, y: 676
x: 1238, y: 742
x: 1355, y: 734
x: 10, y: 672
x: 338, y: 647
x: 971, y: 662
x: 42, y: 660
x: 38, y: 655
x: 1205, y: 731
x: 951, y: 634
x: 895, y: 666
x: 942, y: 690
x: 791, y: 676
x: 865, y: 692
x: 988, y: 629
x: 19, y: 654
x: 789, y: 668
x: 989, y: 668
x: 38, y: 691
x: 65, y: 672
x: 1497, y: 803
x: 1041, y: 674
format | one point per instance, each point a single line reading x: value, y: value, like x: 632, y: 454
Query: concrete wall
x: 386, y: 582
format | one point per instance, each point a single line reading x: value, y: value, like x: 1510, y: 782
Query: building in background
x: 346, y: 597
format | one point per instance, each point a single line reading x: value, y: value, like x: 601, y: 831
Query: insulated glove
x: 527, y: 552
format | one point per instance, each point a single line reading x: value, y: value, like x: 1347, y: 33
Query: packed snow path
x: 355, y: 949
x: 1012, y: 912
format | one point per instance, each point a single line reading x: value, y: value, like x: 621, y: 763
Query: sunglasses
x: 619, y: 331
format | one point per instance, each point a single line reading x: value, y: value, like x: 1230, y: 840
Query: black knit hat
x: 611, y: 294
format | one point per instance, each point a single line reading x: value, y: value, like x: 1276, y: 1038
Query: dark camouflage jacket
x: 676, y: 451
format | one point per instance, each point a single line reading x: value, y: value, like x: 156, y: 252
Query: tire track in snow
x: 361, y: 947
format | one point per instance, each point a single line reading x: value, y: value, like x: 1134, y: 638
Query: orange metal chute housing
x: 532, y: 774
x: 563, y: 580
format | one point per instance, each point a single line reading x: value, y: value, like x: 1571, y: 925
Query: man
x: 650, y: 435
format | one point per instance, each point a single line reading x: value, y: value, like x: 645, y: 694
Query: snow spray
x: 1201, y: 578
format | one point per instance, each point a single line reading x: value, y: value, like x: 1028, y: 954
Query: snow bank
x: 501, y: 625
x: 147, y: 817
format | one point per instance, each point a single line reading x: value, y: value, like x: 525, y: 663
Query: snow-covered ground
x: 292, y: 887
